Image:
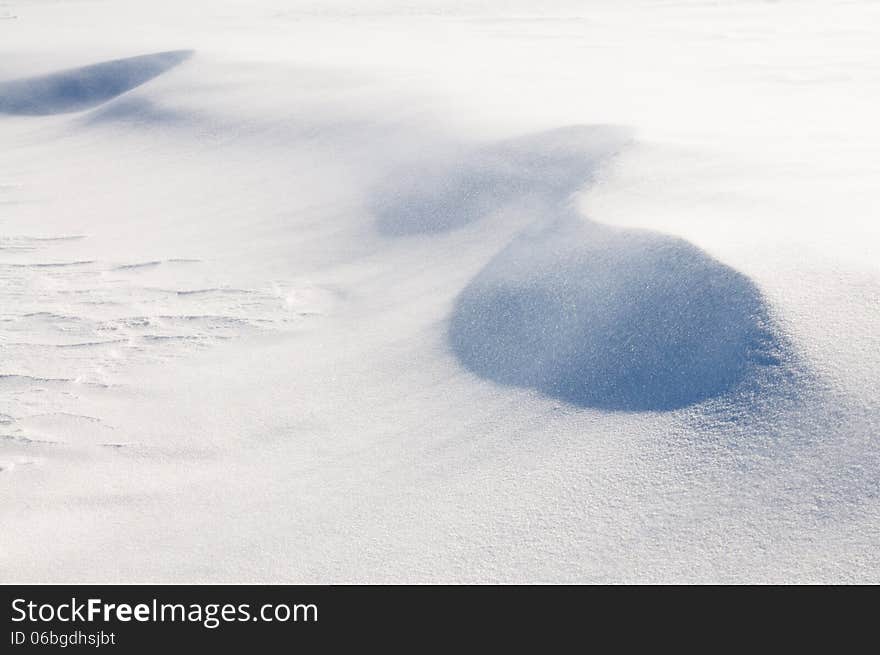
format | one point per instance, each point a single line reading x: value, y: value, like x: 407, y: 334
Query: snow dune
x: 86, y: 87
x: 601, y: 317
x: 550, y: 166
x: 615, y: 319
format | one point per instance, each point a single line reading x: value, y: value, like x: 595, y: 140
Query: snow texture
x: 471, y: 291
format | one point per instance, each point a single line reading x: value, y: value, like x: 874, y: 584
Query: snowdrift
x: 615, y: 319
x: 78, y: 89
x: 439, y: 196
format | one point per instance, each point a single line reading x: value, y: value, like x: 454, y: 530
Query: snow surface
x: 395, y: 291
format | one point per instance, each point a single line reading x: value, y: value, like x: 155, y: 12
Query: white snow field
x: 439, y: 291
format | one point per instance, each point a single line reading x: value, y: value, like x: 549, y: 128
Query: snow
x: 396, y: 291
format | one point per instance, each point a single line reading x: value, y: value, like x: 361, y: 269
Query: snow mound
x: 614, y: 319
x: 77, y: 89
x: 463, y: 187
